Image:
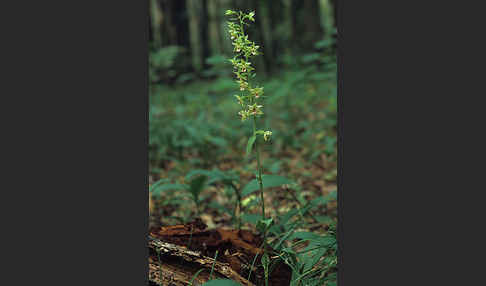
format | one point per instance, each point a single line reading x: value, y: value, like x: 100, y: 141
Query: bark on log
x: 178, y: 265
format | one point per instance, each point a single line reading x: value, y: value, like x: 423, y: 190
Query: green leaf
x: 219, y: 207
x: 304, y: 235
x: 310, y: 260
x: 251, y: 218
x: 275, y: 167
x: 213, y: 176
x: 263, y: 225
x: 249, y: 146
x: 218, y: 141
x: 195, y: 275
x: 168, y: 187
x: 327, y: 241
x: 197, y: 185
x: 269, y: 181
x: 221, y: 282
x: 198, y: 172
x: 158, y: 183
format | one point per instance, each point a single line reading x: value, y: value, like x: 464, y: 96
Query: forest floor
x: 191, y: 135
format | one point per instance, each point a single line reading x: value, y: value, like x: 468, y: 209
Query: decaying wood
x: 180, y: 274
x: 175, y: 273
x: 193, y: 243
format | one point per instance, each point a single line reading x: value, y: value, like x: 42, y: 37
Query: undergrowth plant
x: 251, y: 101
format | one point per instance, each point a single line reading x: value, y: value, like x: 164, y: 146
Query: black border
x: 76, y: 86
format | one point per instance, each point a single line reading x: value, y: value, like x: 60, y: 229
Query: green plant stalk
x: 260, y: 183
x: 239, y: 205
x: 195, y: 276
x: 259, y: 169
x: 212, y: 267
x: 244, y: 74
x: 257, y: 148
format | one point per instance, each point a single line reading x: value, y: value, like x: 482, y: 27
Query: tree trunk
x: 306, y: 24
x: 226, y: 45
x: 312, y: 31
x: 194, y: 8
x: 263, y: 9
x: 215, y: 37
x: 169, y: 31
x: 155, y: 23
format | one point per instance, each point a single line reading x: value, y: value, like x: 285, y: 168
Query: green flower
x: 266, y: 135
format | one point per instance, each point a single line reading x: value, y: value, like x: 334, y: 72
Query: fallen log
x: 196, y: 245
x: 172, y: 264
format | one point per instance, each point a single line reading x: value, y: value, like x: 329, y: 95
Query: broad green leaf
x: 220, y: 207
x: 275, y: 167
x: 197, y: 185
x: 198, y: 172
x: 168, y: 187
x: 269, y: 181
x: 218, y: 141
x: 251, y: 218
x: 158, y: 183
x: 213, y: 176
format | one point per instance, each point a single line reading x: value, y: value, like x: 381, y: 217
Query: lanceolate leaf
x: 269, y: 181
x: 168, y: 187
x: 249, y: 146
x: 158, y: 183
x: 197, y: 185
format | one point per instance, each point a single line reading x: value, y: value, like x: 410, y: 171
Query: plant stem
x: 238, y: 205
x: 259, y: 169
x: 260, y: 183
x: 257, y: 147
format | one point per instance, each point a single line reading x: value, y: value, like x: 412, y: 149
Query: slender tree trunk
x: 264, y: 25
x: 312, y: 31
x: 225, y: 39
x: 294, y: 27
x: 194, y: 8
x: 155, y: 23
x: 306, y: 24
x: 169, y: 31
x: 214, y: 31
x: 279, y: 28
